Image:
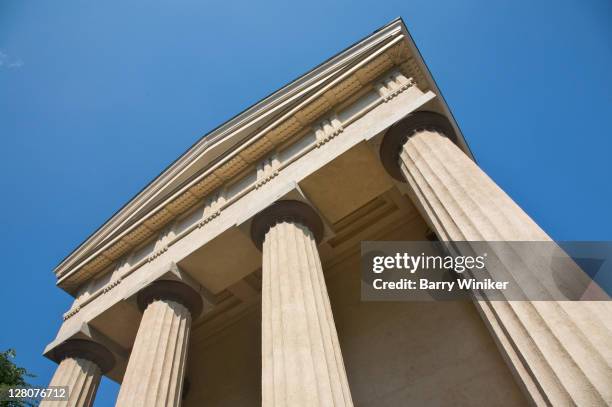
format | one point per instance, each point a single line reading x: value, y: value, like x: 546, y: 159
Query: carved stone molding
x: 267, y: 169
x: 393, y: 53
x: 209, y: 218
x: 215, y: 203
x: 157, y: 253
x: 289, y: 210
x: 112, y: 285
x: 393, y: 84
x: 84, y: 349
x: 397, y: 135
x: 171, y: 290
x: 212, y: 207
x: 327, y: 129
x: 71, y: 312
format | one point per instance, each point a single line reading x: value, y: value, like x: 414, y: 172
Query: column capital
x: 287, y: 210
x: 84, y: 349
x: 171, y: 290
x: 401, y: 131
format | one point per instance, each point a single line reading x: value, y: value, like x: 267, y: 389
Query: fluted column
x: 156, y: 369
x: 81, y: 365
x: 559, y: 351
x: 301, y: 358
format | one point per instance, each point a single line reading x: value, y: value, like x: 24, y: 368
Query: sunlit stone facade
x: 233, y: 278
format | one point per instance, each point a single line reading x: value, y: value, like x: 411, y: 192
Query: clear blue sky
x: 96, y: 98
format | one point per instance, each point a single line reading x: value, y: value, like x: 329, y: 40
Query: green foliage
x: 12, y: 375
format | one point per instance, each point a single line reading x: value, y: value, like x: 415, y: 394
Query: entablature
x: 283, y: 168
x: 341, y: 85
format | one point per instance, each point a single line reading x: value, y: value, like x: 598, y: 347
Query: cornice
x: 241, y: 143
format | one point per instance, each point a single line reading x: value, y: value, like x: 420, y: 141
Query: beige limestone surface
x: 155, y: 372
x: 82, y: 377
x: 560, y: 351
x: 316, y: 140
x: 301, y: 357
x: 394, y: 353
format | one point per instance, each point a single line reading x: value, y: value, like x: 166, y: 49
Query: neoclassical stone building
x: 233, y: 278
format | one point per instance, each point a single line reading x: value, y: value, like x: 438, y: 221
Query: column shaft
x: 82, y: 378
x: 302, y: 361
x: 155, y: 371
x: 560, y: 351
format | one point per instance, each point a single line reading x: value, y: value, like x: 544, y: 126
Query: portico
x: 233, y: 278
